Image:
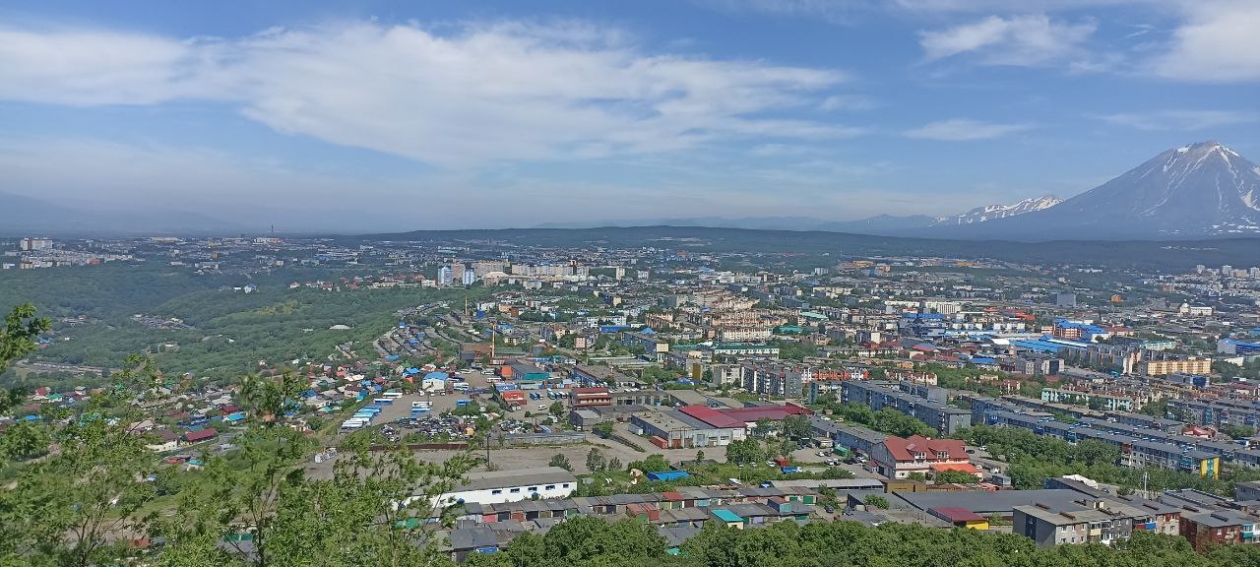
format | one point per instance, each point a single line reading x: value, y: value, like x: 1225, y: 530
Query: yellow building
x: 1189, y: 365
x: 961, y: 517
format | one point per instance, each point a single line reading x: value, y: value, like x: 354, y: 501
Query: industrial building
x: 494, y: 487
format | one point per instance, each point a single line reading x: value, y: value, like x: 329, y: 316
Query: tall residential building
x: 446, y: 276
x: 469, y: 277
x: 36, y: 244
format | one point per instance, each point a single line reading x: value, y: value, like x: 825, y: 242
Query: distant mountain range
x: 25, y: 216
x: 1203, y: 190
x: 1200, y: 190
x: 879, y: 224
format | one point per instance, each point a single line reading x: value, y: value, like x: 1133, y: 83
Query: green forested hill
x: 231, y: 331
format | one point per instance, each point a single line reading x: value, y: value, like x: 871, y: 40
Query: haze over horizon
x: 387, y: 116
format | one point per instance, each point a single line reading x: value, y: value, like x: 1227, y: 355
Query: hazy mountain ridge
x: 26, y: 216
x: 878, y: 224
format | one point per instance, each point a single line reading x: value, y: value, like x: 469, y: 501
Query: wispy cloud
x: 1017, y: 40
x: 847, y: 102
x: 842, y: 12
x: 486, y: 92
x: 1218, y: 43
x: 1183, y: 120
x: 962, y: 130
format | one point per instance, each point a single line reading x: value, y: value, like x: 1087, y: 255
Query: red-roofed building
x: 712, y: 417
x: 513, y: 398
x: 199, y: 436
x: 896, y: 457
x: 590, y: 397
x: 958, y: 467
x: 961, y: 517
x: 771, y: 412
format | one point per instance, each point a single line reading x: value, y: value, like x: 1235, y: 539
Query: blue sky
x: 395, y: 115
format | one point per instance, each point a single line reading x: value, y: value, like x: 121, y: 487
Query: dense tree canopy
x: 1034, y: 457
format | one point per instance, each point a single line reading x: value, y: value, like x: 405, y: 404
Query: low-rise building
x: 1221, y: 527
x: 898, y: 457
x: 1049, y: 525
x: 495, y: 487
x: 589, y: 397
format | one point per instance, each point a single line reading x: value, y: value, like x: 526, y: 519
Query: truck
x: 789, y: 470
x: 780, y: 461
x: 353, y: 423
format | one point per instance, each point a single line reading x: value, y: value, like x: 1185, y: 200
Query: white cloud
x: 847, y: 102
x: 1025, y: 6
x: 961, y: 130
x: 1219, y: 42
x: 831, y: 11
x: 1184, y: 120
x: 505, y: 91
x: 1025, y: 40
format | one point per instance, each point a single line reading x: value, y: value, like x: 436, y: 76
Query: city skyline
x: 386, y: 117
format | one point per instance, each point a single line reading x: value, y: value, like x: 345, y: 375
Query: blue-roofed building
x: 1066, y: 329
x: 1231, y: 346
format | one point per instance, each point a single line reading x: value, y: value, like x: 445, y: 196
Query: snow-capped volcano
x: 991, y: 212
x: 1203, y: 189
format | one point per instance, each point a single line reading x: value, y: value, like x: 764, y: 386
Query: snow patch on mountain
x: 992, y: 212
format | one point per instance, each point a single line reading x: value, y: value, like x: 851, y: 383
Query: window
x: 565, y: 485
x: 515, y: 490
x: 533, y: 489
x: 549, y: 487
x: 497, y: 491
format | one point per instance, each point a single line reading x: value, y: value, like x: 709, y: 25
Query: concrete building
x: 677, y: 430
x: 581, y: 398
x: 774, y: 380
x: 1151, y: 448
x: 1175, y: 365
x: 926, y: 403
x: 1067, y: 524
x: 854, y: 439
x: 1112, y: 403
x: 1221, y: 527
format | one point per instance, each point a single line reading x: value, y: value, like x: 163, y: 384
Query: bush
x: 561, y: 461
x: 876, y: 501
